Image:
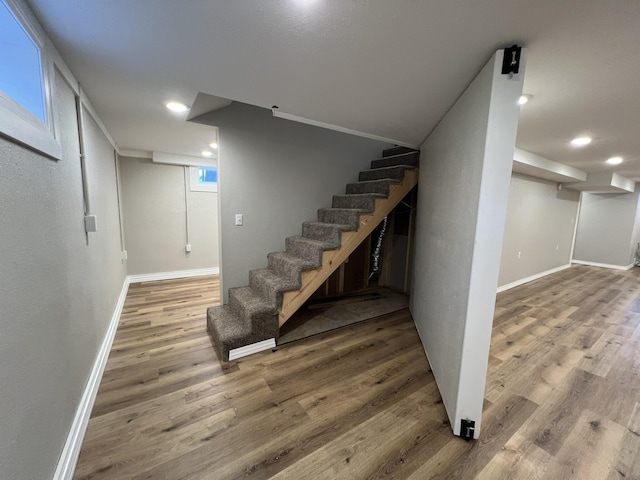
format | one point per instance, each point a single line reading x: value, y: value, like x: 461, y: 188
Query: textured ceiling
x: 385, y: 68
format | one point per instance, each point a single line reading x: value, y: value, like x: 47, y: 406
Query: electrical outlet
x: 124, y: 255
x: 187, y: 248
x: 239, y: 220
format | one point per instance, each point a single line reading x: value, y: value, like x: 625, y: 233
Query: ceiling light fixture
x: 615, y: 161
x: 214, y: 145
x: 177, y: 107
x: 206, y: 153
x: 581, y: 141
x: 524, y: 99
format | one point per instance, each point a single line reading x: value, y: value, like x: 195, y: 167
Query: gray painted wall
x: 606, y: 228
x: 462, y: 197
x: 277, y: 173
x: 153, y: 204
x: 540, y: 225
x: 57, y: 294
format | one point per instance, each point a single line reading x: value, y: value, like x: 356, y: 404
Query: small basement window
x: 24, y: 83
x: 204, y: 179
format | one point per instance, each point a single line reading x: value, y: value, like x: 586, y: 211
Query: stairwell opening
x: 329, y: 260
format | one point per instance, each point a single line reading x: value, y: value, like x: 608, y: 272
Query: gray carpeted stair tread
x: 410, y: 158
x: 344, y: 216
x: 396, y: 172
x: 268, y: 284
x: 308, y: 248
x: 289, y: 265
x: 247, y: 303
x: 227, y: 330
x: 328, y: 232
x: 362, y: 201
x: 382, y: 187
x: 389, y: 152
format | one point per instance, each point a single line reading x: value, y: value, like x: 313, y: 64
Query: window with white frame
x: 25, y: 113
x: 203, y: 179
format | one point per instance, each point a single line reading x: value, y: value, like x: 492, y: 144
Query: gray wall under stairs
x: 277, y: 173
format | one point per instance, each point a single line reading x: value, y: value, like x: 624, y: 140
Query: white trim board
x: 71, y: 450
x: 294, y: 118
x: 531, y: 278
x: 603, y: 265
x: 240, y: 352
x: 151, y: 277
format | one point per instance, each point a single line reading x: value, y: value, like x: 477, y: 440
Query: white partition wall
x: 608, y: 230
x: 465, y: 169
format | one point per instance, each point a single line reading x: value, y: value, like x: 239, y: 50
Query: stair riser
x: 327, y: 215
x: 405, y: 159
x: 284, y: 269
x: 396, y: 173
x: 264, y: 329
x: 307, y: 251
x: 389, y: 152
x: 323, y: 233
x: 368, y: 204
x: 267, y: 289
x: 381, y: 186
x: 243, y: 311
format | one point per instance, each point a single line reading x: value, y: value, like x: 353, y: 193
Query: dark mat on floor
x: 328, y: 314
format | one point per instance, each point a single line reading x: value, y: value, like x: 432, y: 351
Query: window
x: 20, y: 65
x: 24, y: 81
x: 204, y: 179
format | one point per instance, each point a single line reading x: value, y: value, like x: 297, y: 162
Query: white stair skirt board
x: 71, y: 449
x: 531, y: 278
x: 151, y: 277
x: 603, y: 265
x: 253, y: 348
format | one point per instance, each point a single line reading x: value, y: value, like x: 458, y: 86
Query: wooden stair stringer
x: 332, y: 259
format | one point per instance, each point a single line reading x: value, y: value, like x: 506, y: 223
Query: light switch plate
x: 239, y: 220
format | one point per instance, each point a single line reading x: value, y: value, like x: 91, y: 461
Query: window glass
x: 204, y: 179
x: 20, y: 65
x: 207, y: 175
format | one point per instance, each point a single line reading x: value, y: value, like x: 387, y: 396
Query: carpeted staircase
x: 256, y: 312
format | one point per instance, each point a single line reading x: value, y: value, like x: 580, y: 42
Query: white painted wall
x: 57, y: 292
x: 462, y: 201
x: 154, y: 215
x: 539, y: 229
x: 277, y: 173
x: 607, y: 232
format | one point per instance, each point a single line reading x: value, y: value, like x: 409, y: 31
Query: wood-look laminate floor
x: 562, y: 397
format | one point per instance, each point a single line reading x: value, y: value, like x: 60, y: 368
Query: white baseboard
x: 603, y: 265
x: 251, y: 349
x: 151, y: 277
x: 531, y: 278
x: 71, y: 449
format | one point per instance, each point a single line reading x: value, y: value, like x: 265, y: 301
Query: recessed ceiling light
x: 213, y: 145
x: 206, y: 153
x: 615, y: 161
x: 177, y: 107
x: 581, y: 141
x: 524, y: 99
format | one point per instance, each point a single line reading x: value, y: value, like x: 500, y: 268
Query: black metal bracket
x: 467, y: 429
x: 511, y: 60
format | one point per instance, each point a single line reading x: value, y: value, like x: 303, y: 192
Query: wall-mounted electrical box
x: 90, y: 223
